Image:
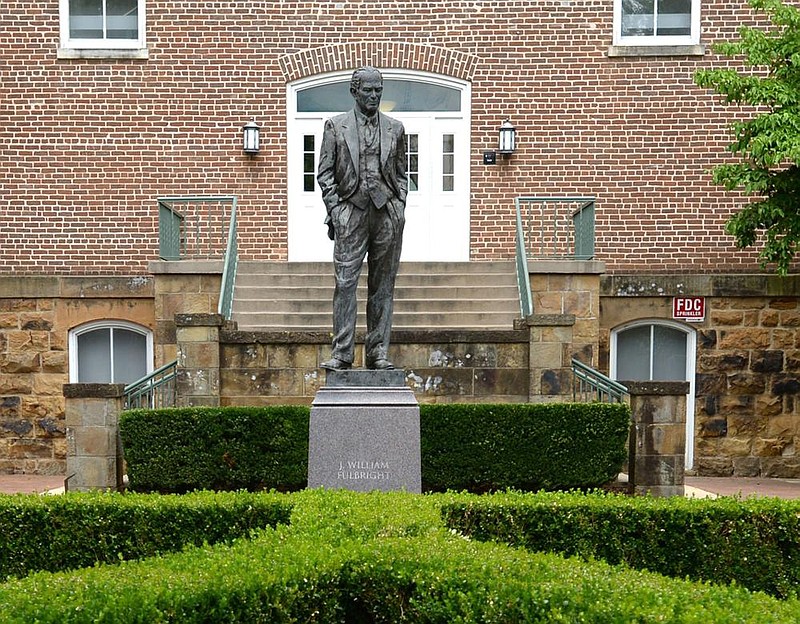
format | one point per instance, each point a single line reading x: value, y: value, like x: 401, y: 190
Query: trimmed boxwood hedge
x: 482, y: 448
x: 476, y: 448
x: 754, y: 542
x: 379, y: 557
x: 77, y: 530
x: 200, y: 448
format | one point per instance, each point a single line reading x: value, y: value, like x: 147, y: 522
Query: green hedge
x: 350, y: 557
x: 755, y: 542
x: 77, y: 530
x: 481, y: 448
x: 233, y: 448
x: 464, y: 447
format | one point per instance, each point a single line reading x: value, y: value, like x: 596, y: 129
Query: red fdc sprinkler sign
x: 689, y: 308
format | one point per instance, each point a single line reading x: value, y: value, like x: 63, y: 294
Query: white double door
x: 437, y: 208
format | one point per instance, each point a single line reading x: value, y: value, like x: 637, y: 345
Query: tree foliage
x: 769, y: 143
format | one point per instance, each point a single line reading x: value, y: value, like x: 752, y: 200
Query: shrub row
x: 481, y: 448
x: 77, y: 530
x: 178, y: 450
x: 379, y: 558
x: 755, y: 542
x: 476, y: 448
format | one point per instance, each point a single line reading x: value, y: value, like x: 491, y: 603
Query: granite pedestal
x: 364, y: 433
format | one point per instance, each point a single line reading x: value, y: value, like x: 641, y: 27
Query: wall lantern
x: 250, y: 137
x: 508, y: 138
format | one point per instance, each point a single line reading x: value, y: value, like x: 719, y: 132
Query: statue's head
x: 366, y: 87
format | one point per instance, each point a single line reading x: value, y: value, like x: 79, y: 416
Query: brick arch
x: 392, y: 54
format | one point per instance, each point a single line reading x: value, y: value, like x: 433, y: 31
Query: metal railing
x: 523, y: 277
x: 589, y: 385
x: 203, y: 227
x: 231, y: 263
x: 194, y: 227
x: 557, y: 227
x: 550, y: 228
x: 153, y: 391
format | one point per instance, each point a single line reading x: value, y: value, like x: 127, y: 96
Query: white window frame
x: 693, y: 39
x: 102, y: 47
x: 106, y: 324
x: 691, y: 369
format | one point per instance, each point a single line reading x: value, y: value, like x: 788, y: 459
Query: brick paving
x: 30, y: 484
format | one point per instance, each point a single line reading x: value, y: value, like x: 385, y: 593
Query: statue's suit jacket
x: 337, y: 173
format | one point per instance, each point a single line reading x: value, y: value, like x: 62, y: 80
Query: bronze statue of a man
x: 362, y: 174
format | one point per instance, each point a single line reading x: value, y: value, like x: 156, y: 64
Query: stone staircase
x: 283, y: 296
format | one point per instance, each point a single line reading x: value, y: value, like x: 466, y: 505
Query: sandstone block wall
x: 747, y: 384
x: 36, y: 314
x: 443, y: 366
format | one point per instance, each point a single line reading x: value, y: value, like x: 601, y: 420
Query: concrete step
x: 326, y: 268
x: 321, y: 321
x: 411, y: 294
x: 417, y: 306
x: 437, y: 295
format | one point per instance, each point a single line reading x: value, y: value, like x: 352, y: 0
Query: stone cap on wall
x: 724, y: 285
x: 549, y: 320
x: 566, y: 266
x: 78, y: 287
x: 93, y: 391
x: 185, y: 267
x: 656, y: 388
x: 199, y: 320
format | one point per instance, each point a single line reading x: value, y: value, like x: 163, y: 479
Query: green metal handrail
x: 229, y: 267
x: 589, y: 385
x: 523, y: 277
x: 153, y: 391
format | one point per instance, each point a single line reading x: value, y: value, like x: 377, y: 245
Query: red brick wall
x: 87, y: 145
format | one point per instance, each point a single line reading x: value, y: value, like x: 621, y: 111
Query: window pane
x: 638, y: 18
x: 86, y: 19
x: 674, y: 17
x: 309, y: 163
x: 94, y: 356
x: 398, y: 96
x: 669, y: 345
x: 412, y: 166
x: 633, y: 354
x: 122, y: 19
x: 448, y: 162
x: 130, y: 356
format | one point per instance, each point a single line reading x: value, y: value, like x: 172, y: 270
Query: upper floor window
x: 110, y: 352
x: 102, y: 24
x: 656, y: 22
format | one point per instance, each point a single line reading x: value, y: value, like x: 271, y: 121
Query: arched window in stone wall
x: 657, y: 350
x: 110, y: 352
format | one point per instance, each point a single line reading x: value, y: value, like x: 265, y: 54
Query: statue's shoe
x: 380, y: 364
x: 336, y: 364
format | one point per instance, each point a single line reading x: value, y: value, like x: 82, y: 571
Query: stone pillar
x: 658, y: 436
x: 198, y: 377
x: 94, y: 452
x: 550, y: 356
x: 566, y: 298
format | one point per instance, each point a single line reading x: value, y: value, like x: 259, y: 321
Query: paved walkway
x: 701, y: 487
